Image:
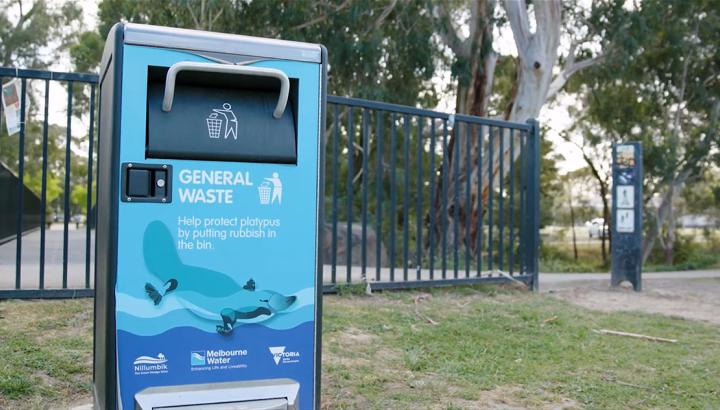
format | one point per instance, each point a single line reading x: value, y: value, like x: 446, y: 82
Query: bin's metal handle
x: 228, y: 69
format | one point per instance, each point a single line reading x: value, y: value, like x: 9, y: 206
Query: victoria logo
x: 149, y: 364
x: 281, y: 356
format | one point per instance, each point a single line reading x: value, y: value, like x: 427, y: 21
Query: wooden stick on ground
x: 635, y: 335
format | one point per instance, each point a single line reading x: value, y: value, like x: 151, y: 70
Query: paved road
x: 76, y: 266
x: 555, y: 281
x: 53, y: 259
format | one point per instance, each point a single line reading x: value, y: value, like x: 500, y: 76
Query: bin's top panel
x: 193, y: 40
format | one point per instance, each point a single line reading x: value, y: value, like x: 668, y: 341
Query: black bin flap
x: 220, y: 117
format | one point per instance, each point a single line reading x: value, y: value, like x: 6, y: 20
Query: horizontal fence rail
x: 413, y: 197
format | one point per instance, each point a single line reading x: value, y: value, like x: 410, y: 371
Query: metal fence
x: 35, y: 282
x: 413, y: 197
x: 422, y: 198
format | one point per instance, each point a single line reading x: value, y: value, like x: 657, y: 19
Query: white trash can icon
x: 264, y: 190
x: 214, y: 124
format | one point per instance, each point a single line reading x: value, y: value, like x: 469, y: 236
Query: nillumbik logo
x: 150, y: 365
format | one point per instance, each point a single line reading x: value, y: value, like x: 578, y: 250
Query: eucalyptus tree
x: 661, y: 86
x: 553, y: 42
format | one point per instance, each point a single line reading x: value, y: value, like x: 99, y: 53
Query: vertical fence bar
x: 491, y: 177
x: 66, y: 191
x: 335, y: 193
x: 378, y: 191
x: 351, y: 158
x: 393, y: 193
x: 443, y: 198
x: 522, y: 175
x: 468, y: 207
x: 479, y: 234
x: 88, y: 204
x: 20, y: 185
x: 433, y: 202
x: 501, y: 201
x: 419, y: 202
x: 1, y: 106
x: 406, y: 199
x: 456, y: 198
x: 97, y: 178
x: 534, y: 202
x: 43, y: 187
x: 366, y: 154
x: 511, y: 202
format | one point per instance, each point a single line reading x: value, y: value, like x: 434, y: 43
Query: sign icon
x: 625, y: 220
x: 625, y: 196
x: 625, y: 156
x: 222, y: 122
x: 270, y: 190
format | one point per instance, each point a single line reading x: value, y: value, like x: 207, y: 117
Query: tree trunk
x: 664, y: 211
x: 537, y: 56
x: 670, y: 238
x: 572, y: 224
x: 606, y: 221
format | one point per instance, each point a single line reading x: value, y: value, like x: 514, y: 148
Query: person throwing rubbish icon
x: 277, y: 188
x: 231, y: 122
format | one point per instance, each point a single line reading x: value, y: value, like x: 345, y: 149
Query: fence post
x: 533, y: 203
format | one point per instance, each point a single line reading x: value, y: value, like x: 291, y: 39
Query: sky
x: 555, y: 116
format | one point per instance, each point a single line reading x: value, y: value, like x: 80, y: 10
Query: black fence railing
x: 41, y: 270
x: 413, y: 197
x: 422, y: 198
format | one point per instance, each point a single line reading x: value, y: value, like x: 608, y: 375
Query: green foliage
x: 55, y: 175
x: 27, y: 33
x: 559, y: 258
x: 377, y: 50
x: 665, y: 56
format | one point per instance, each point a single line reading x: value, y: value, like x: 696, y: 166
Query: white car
x: 596, y: 228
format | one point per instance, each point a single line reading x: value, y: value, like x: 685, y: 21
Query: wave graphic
x: 184, y: 318
x: 144, y: 307
x: 197, y: 356
x: 141, y: 317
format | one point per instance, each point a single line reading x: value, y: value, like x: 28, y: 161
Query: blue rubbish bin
x: 208, y: 282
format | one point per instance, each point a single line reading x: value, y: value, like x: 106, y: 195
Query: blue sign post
x: 627, y: 215
x: 208, y: 272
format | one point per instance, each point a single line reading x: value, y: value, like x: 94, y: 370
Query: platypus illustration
x: 206, y: 293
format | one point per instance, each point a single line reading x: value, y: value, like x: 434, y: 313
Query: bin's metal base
x: 272, y: 394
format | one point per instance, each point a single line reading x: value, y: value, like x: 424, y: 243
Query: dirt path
x: 688, y: 295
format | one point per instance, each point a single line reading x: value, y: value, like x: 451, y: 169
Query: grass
x: 445, y: 348
x: 690, y: 255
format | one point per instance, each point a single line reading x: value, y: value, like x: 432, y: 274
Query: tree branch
x: 517, y: 16
x: 447, y: 32
x: 194, y: 17
x: 321, y: 17
x: 559, y: 81
x: 386, y: 12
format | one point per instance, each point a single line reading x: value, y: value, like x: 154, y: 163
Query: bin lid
x: 195, y: 40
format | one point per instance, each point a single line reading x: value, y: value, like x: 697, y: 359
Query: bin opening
x: 220, y: 117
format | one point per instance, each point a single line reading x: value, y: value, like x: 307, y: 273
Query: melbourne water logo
x: 150, y: 365
x: 197, y: 358
x: 280, y: 355
x: 217, y: 359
